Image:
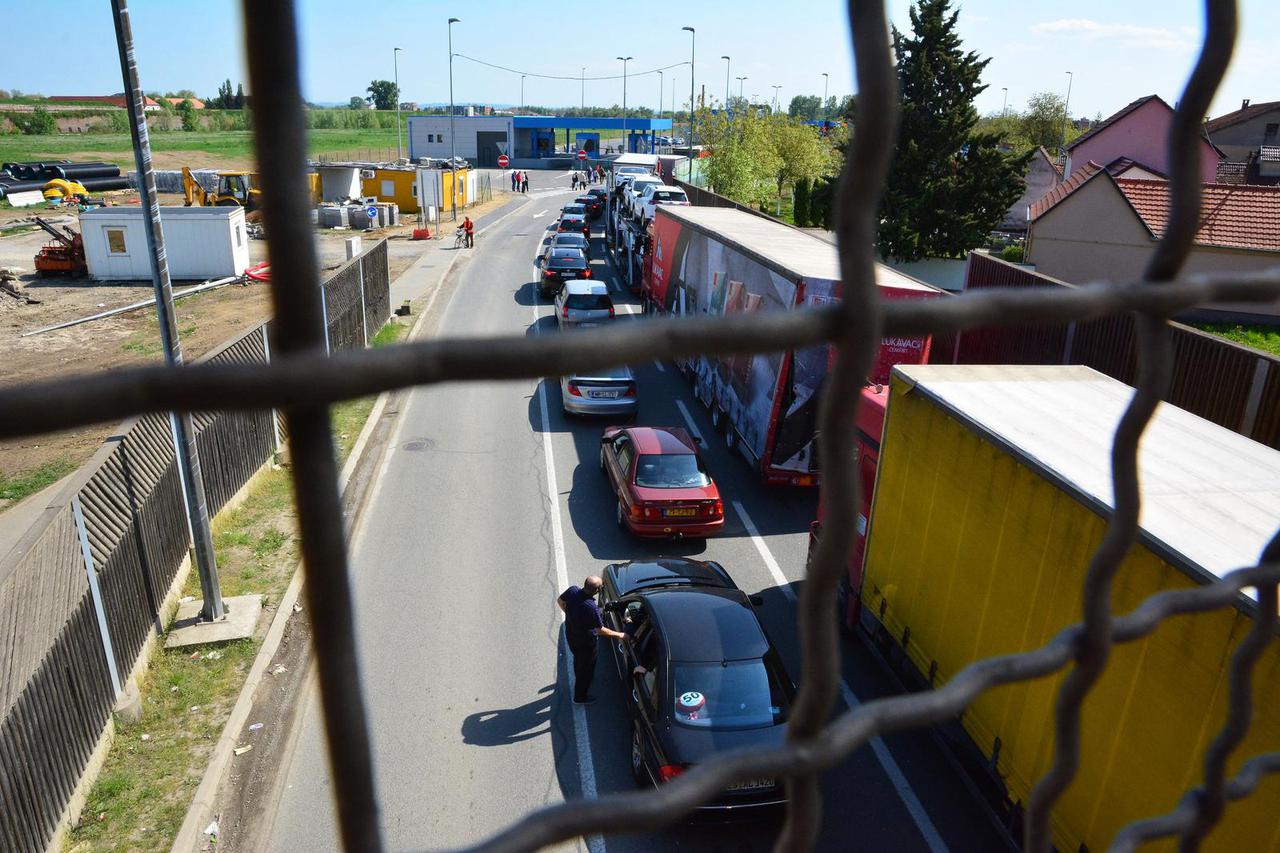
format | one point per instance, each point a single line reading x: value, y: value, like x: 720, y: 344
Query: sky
x: 1116, y: 51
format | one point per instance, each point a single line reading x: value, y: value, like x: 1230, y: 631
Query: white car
x: 619, y: 172
x: 634, y: 190
x: 656, y: 194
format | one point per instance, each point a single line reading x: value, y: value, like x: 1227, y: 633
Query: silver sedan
x: 611, y: 391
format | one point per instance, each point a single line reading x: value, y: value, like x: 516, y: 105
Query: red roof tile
x: 1237, y: 116
x: 1078, y: 178
x: 1234, y: 216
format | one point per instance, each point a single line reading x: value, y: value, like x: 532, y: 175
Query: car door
x: 646, y: 692
x: 615, y: 467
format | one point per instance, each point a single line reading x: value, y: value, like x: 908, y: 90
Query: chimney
x: 1244, y: 105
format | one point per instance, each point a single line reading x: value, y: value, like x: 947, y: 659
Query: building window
x: 439, y: 137
x: 431, y: 137
x: 115, y: 241
x: 389, y: 188
x: 239, y: 237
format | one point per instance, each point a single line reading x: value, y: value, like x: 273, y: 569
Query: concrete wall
x: 1141, y: 136
x: 429, y: 135
x: 1239, y: 140
x: 1041, y: 177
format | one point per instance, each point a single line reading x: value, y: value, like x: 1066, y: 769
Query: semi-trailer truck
x: 992, y: 488
x: 719, y: 261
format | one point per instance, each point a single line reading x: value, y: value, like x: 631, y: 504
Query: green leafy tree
x: 801, y: 152
x: 357, y: 103
x: 800, y: 205
x: 384, y: 94
x: 805, y: 107
x: 40, y: 123
x: 187, y: 112
x: 241, y: 99
x: 947, y: 186
x: 743, y: 163
x: 1044, y: 120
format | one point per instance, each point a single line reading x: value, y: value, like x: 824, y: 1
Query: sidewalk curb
x: 200, y: 812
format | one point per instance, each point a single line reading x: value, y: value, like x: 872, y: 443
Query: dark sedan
x: 561, y: 265
x: 700, y: 674
x: 593, y: 205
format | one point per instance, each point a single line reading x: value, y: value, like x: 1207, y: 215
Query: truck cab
x: 869, y: 432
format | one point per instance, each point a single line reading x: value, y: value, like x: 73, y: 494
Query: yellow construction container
x: 992, y: 493
x: 394, y: 185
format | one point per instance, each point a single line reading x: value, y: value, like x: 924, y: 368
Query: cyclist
x: 469, y: 230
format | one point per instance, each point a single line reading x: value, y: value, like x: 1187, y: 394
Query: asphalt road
x: 486, y: 505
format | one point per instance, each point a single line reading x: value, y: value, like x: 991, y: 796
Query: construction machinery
x: 63, y: 256
x: 240, y: 188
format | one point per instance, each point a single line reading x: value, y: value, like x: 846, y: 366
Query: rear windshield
x: 668, y: 195
x: 568, y: 262
x: 573, y: 241
x: 632, y: 170
x: 574, y: 208
x: 671, y: 471
x: 732, y: 695
x: 588, y: 301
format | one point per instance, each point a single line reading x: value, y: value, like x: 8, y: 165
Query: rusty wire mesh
x: 302, y: 381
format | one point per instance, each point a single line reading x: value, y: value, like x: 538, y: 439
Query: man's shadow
x: 510, y: 725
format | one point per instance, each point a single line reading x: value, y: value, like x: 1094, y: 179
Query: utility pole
x: 186, y: 455
x: 584, y: 90
x: 453, y: 151
x: 626, y: 142
x: 826, y: 78
x: 775, y: 98
x: 661, y: 89
x: 395, y: 56
x: 522, y: 76
x: 693, y: 46
x: 727, y: 63
x: 1004, y: 108
x: 1066, y: 109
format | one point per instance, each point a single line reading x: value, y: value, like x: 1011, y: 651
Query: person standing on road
x: 469, y: 229
x: 524, y: 182
x: 582, y: 626
x: 515, y: 176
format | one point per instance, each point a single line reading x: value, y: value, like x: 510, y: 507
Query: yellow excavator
x: 239, y: 188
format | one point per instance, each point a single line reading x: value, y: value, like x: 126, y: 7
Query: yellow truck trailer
x: 993, y: 490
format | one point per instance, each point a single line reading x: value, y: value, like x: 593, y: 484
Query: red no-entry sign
x: 503, y: 160
x: 582, y: 155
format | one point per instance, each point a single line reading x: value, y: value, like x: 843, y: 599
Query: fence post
x: 96, y: 594
x: 1069, y: 344
x: 1250, y: 417
x: 324, y: 312
x: 275, y: 417
x: 364, y: 320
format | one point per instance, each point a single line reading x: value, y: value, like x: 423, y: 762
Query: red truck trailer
x: 717, y: 261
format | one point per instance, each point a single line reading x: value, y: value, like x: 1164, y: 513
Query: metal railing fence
x: 302, y: 380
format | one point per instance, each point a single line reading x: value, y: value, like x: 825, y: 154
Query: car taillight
x: 573, y: 390
x: 650, y: 511
x: 630, y: 392
x: 610, y: 310
x: 717, y: 508
x: 564, y: 311
x: 667, y: 772
x: 636, y: 511
x: 586, y: 273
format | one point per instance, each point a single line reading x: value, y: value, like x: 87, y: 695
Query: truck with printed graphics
x: 991, y: 490
x: 717, y: 261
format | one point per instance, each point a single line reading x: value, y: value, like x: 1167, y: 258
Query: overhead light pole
x: 1066, y: 109
x: 395, y: 64
x: 739, y: 79
x: 826, y: 78
x: 522, y: 76
x: 661, y: 89
x: 1004, y: 108
x: 693, y: 46
x: 453, y: 144
x: 584, y: 89
x: 727, y: 63
x: 775, y: 98
x: 626, y: 143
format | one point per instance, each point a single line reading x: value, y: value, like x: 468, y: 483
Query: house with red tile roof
x: 1096, y: 226
x: 1138, y: 131
x: 196, y: 103
x: 149, y: 105
x: 1250, y: 139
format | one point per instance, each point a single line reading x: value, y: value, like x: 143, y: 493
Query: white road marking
x: 586, y: 762
x: 539, y: 213
x: 658, y: 365
x: 909, y: 799
x: 688, y: 419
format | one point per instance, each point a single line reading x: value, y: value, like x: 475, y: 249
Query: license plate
x: 751, y: 785
x: 683, y: 512
x: 606, y: 395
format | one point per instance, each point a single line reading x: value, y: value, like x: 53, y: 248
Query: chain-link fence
x: 303, y: 381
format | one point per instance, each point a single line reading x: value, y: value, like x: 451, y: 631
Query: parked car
x: 575, y: 222
x: 661, y: 484
x: 600, y: 392
x: 656, y: 194
x: 593, y: 205
x: 633, y: 191
x: 560, y: 265
x: 583, y: 303
x: 709, y: 678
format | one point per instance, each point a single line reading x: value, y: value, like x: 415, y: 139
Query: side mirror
x: 756, y: 600
x: 700, y: 441
x: 614, y: 607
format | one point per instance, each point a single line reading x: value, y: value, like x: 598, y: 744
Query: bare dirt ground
x: 205, y: 321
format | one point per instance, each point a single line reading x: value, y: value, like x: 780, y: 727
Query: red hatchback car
x: 663, y: 489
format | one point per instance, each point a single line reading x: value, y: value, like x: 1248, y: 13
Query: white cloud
x: 1133, y: 35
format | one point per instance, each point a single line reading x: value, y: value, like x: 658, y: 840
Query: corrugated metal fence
x: 1231, y: 385
x: 95, y: 570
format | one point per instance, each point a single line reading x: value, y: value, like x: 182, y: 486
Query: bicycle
x: 459, y: 238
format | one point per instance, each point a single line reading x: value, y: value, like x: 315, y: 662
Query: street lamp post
x: 584, y: 89
x: 661, y: 89
x: 693, y: 45
x: 1066, y: 109
x: 739, y: 79
x: 395, y: 56
x: 727, y: 63
x: 826, y: 78
x: 1004, y: 107
x: 626, y: 143
x: 775, y: 98
x: 453, y: 144
x: 522, y: 76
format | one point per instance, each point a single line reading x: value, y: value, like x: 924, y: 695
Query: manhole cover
x: 417, y: 445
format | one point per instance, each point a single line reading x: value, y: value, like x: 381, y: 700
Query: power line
x: 567, y: 77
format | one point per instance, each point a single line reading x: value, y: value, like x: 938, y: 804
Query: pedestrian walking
x: 582, y: 626
x: 524, y: 182
x: 469, y: 230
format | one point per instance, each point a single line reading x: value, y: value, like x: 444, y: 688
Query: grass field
x: 225, y: 145
x: 1265, y: 338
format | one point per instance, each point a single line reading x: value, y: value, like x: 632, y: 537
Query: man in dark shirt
x: 582, y: 625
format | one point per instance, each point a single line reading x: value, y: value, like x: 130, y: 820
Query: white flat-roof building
x: 200, y: 242
x: 480, y: 139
